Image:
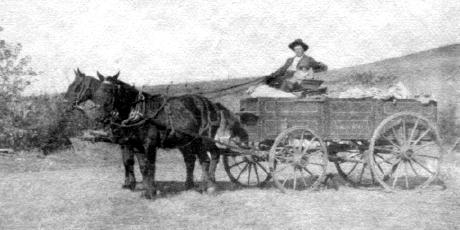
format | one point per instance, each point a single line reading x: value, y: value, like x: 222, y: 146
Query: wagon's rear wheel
x: 405, y: 152
x: 247, y: 171
x: 352, y: 165
x: 301, y: 159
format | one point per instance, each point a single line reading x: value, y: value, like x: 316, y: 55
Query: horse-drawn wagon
x: 292, y: 140
x: 394, y: 143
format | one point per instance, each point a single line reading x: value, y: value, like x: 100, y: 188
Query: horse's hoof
x: 131, y: 186
x: 149, y: 195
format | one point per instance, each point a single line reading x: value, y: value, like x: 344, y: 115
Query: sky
x: 158, y: 42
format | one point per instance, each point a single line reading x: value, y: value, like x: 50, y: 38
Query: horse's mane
x: 132, y: 88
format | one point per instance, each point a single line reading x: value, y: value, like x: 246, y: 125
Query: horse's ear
x: 100, y: 76
x: 79, y: 73
x: 116, y: 75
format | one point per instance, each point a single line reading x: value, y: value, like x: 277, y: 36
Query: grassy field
x: 81, y: 189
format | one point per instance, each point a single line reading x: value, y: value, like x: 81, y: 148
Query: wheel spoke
x: 383, y: 159
x: 405, y: 175
x: 236, y: 164
x: 308, y: 171
x: 257, y: 173
x: 391, y: 141
x: 295, y: 177
x: 313, y: 163
x: 427, y: 156
x: 249, y: 173
x: 361, y: 174
x: 283, y: 158
x: 262, y: 167
x: 242, y: 170
x: 412, y: 167
x: 422, y: 146
x: 394, y: 166
x: 303, y: 177
x: 413, y: 130
x: 397, y: 177
x: 301, y: 142
x: 355, y: 155
x: 284, y: 182
x: 353, y: 168
x: 422, y: 136
x: 372, y: 176
x: 396, y: 136
x: 283, y: 168
x: 404, y: 131
x: 378, y: 165
x: 421, y: 165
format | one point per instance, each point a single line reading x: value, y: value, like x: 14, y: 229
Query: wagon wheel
x: 301, y: 159
x: 405, y: 152
x: 247, y: 170
x: 352, y: 165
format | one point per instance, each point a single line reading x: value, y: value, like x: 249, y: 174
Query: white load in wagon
x: 396, y: 91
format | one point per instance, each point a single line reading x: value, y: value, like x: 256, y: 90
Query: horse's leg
x: 215, y: 156
x: 189, y: 159
x: 207, y: 184
x: 147, y: 160
x: 128, y: 162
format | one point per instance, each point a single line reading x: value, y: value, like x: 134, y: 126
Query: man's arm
x: 317, y: 66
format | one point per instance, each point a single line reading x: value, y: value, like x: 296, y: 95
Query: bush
x: 42, y: 122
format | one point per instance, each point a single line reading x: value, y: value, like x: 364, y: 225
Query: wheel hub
x: 299, y: 160
x: 406, y: 153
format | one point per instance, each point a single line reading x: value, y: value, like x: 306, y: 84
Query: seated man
x: 300, y: 63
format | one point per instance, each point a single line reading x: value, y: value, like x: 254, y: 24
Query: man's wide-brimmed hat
x: 298, y: 42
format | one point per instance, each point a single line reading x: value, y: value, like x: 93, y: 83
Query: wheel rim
x: 301, y: 160
x: 406, y: 152
x: 247, y: 171
x: 353, y: 167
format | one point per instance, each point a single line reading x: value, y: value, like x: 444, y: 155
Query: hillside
x: 435, y: 71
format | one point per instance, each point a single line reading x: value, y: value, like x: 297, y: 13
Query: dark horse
x: 171, y: 122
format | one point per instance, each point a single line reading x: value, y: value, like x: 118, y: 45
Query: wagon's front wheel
x: 247, y: 170
x: 301, y: 159
x: 405, y: 152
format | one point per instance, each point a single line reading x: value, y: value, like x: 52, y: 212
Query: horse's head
x: 81, y: 89
x: 106, y: 97
x: 230, y: 130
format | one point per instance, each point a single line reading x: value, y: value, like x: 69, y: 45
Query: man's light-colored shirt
x: 293, y: 66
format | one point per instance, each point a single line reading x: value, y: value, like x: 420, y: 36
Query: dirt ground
x: 81, y: 189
